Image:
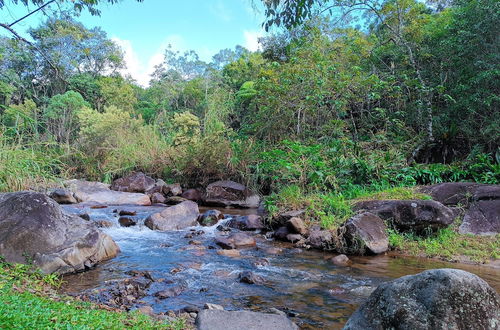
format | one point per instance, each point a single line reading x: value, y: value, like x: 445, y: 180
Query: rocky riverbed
x: 189, y: 270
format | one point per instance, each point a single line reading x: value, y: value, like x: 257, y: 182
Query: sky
x: 144, y: 30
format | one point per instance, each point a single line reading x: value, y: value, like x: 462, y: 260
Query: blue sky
x: 145, y: 29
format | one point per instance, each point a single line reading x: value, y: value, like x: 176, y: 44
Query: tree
x: 61, y: 116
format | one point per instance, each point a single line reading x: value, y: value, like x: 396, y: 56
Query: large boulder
x: 230, y: 193
x: 135, y: 182
x: 34, y: 226
x: 97, y: 192
x: 365, y: 233
x: 434, y: 299
x: 482, y: 218
x: 418, y: 216
x: 175, y: 217
x: 210, y: 319
x: 461, y: 193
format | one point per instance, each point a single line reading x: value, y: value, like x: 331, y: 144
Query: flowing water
x: 316, y: 293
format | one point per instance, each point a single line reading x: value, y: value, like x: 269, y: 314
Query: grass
x: 331, y: 209
x: 28, y: 301
x: 27, y: 166
x: 448, y: 245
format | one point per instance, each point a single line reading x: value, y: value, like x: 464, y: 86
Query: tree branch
x: 31, y: 13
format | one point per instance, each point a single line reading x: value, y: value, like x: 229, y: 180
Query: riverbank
x: 29, y: 299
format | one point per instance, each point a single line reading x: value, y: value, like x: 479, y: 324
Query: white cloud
x: 252, y: 40
x: 141, y: 69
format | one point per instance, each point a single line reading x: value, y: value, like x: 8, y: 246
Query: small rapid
x: 305, y: 284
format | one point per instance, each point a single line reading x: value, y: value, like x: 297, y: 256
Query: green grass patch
x: 28, y: 301
x: 449, y: 245
x: 331, y: 209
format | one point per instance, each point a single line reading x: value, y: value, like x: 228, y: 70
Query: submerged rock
x: 217, y: 319
x: 97, y: 192
x: 175, y: 217
x: 418, y: 216
x: 341, y: 260
x: 34, y: 226
x: 363, y: 233
x: 135, y: 182
x: 249, y: 277
x: 433, y: 299
x: 230, y: 193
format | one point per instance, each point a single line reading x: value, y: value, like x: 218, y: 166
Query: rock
x: 210, y: 217
x: 127, y: 212
x: 63, y: 196
x: 146, y: 310
x: 461, y: 193
x: 135, y: 182
x: 321, y: 239
x: 230, y: 193
x: 216, y: 320
x: 84, y: 216
x: 261, y: 262
x: 229, y: 253
x: 213, y: 307
x: 364, y: 233
x: 104, y: 224
x: 33, y: 225
x: 96, y: 192
x: 341, y: 260
x: 294, y: 238
x: 235, y: 241
x: 482, y: 218
x: 194, y: 195
x: 127, y: 222
x: 297, y: 226
x: 175, y: 217
x: 174, y: 200
x: 281, y: 234
x: 158, y: 198
x: 273, y: 250
x: 433, y: 299
x: 247, y: 222
x: 169, y: 293
x: 173, y: 189
x: 418, y: 216
x: 250, y: 278
x: 191, y: 309
x: 283, y: 218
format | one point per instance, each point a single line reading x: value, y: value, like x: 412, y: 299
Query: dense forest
x: 364, y: 96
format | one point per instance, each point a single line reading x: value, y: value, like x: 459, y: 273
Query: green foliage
x: 187, y: 128
x: 61, y: 115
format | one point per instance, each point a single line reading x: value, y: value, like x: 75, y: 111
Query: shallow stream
x: 303, y: 283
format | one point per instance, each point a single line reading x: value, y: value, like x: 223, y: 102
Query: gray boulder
x: 175, y: 217
x: 482, y: 218
x: 365, y: 233
x: 433, y: 299
x: 230, y: 193
x: 97, y: 192
x: 242, y: 320
x: 461, y: 193
x: 235, y: 241
x: 135, y: 182
x: 34, y: 226
x: 321, y: 239
x: 419, y: 216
